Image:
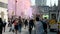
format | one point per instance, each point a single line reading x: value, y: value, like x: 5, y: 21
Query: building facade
x: 59, y: 4
x: 40, y: 2
x: 53, y: 12
x: 3, y: 9
x: 44, y: 10
x: 59, y: 9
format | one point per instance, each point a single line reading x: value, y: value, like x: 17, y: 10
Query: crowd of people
x: 40, y: 25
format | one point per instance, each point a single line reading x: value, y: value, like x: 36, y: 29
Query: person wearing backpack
x: 44, y: 22
x: 39, y: 26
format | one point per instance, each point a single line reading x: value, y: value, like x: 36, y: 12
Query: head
x: 45, y: 18
x: 37, y: 18
x: 19, y: 16
x: 31, y: 20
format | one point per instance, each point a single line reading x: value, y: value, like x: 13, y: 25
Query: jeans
x: 19, y: 28
x: 10, y: 29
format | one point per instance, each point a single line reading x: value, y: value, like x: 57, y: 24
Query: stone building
x: 3, y: 9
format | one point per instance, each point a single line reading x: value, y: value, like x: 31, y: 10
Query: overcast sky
x: 52, y: 2
x: 48, y: 2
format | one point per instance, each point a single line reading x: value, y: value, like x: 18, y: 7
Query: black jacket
x: 1, y: 25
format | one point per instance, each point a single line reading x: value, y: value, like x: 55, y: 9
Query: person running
x: 1, y: 26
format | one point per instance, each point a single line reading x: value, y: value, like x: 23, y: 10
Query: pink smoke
x: 21, y: 8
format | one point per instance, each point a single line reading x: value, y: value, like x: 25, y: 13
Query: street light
x: 15, y: 6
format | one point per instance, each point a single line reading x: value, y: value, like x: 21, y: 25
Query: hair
x: 19, y: 16
x: 45, y: 18
x: 31, y: 20
x: 37, y: 18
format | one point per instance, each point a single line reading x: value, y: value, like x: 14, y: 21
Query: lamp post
x: 15, y: 6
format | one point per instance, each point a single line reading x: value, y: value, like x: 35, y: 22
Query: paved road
x: 24, y: 31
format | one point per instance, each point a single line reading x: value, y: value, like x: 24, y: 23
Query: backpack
x: 4, y: 23
x: 44, y: 25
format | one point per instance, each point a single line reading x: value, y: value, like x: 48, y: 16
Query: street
x: 24, y: 31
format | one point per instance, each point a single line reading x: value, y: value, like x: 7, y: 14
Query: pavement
x: 24, y: 31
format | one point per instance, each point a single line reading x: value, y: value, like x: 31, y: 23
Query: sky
x: 51, y: 2
x: 48, y: 2
x: 32, y: 2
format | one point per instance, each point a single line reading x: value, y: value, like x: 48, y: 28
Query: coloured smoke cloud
x: 22, y: 8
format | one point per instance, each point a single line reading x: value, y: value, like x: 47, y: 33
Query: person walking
x: 16, y: 25
x: 19, y: 24
x: 4, y: 25
x: 30, y: 25
x: 45, y: 22
x: 1, y: 26
x: 39, y: 26
x: 10, y: 25
x: 26, y: 23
